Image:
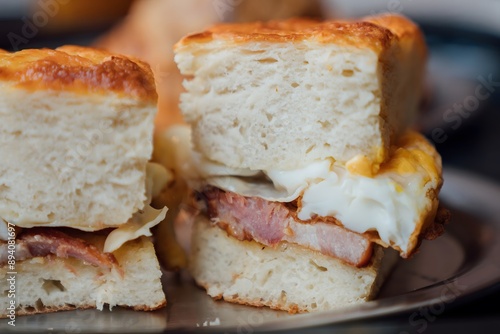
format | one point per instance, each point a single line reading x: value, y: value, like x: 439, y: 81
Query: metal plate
x: 458, y: 264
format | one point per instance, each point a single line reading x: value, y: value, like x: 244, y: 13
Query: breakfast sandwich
x: 76, y: 127
x: 307, y: 174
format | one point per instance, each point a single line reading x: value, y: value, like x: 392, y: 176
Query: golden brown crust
x: 293, y: 308
x: 406, y: 30
x: 377, y: 32
x: 78, y: 69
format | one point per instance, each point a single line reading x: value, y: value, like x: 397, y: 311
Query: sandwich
x: 309, y: 180
x: 76, y: 127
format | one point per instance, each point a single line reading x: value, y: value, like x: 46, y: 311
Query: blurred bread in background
x: 78, y: 15
x: 149, y: 32
x: 151, y: 29
x: 265, y: 10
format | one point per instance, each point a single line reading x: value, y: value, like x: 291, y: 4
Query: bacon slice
x: 40, y: 242
x: 269, y: 223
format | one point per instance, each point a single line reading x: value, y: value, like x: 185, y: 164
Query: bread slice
x: 49, y: 284
x: 289, y: 278
x: 79, y: 122
x: 281, y: 94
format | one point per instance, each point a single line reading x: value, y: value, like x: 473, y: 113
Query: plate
x: 460, y: 263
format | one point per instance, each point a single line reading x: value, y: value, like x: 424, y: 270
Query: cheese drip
x: 143, y: 220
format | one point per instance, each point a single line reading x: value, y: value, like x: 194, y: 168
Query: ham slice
x: 41, y: 242
x: 269, y: 223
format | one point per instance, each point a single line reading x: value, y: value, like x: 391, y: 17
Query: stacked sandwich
x: 76, y: 128
x: 303, y: 159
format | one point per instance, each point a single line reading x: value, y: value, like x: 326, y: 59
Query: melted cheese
x: 411, y: 152
x: 157, y: 177
x: 361, y: 165
x: 139, y: 225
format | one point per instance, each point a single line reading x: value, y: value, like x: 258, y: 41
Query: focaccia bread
x: 76, y: 127
x: 341, y: 89
x: 287, y: 277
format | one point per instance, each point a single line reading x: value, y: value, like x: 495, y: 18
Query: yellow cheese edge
x: 412, y: 152
x: 157, y: 177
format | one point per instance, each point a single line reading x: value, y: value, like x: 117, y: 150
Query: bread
x: 79, y: 123
x: 49, y: 284
x: 288, y: 278
x: 151, y: 21
x: 302, y: 158
x: 76, y: 136
x: 263, y: 10
x: 336, y: 89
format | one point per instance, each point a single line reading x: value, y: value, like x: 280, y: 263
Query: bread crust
x: 78, y: 69
x: 232, y: 64
x: 376, y: 33
x: 219, y: 263
x: 135, y: 253
x: 31, y: 311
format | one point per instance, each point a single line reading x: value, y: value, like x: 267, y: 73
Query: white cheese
x: 139, y: 225
x: 157, y: 177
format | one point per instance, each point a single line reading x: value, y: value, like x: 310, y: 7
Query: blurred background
x: 460, y: 111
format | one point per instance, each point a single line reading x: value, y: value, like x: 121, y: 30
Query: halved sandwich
x: 303, y: 161
x: 76, y: 127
